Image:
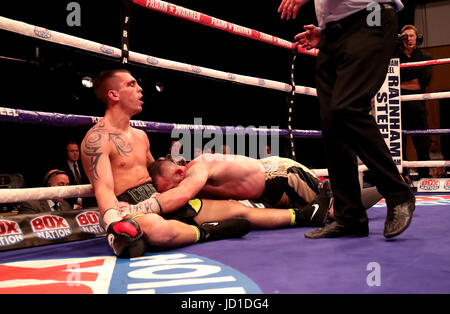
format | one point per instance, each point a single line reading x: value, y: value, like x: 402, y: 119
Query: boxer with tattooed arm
x: 115, y: 157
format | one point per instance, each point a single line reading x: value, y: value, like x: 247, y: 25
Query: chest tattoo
x: 123, y: 148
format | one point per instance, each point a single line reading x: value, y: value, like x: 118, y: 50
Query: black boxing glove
x: 126, y: 238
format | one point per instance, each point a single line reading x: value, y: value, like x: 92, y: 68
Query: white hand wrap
x: 149, y: 206
x: 112, y: 215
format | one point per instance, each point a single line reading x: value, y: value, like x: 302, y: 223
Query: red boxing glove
x: 126, y: 238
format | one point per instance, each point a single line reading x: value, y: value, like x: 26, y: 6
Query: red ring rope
x: 197, y: 17
x: 424, y: 63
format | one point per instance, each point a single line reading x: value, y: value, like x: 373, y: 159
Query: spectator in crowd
x: 54, y: 177
x: 75, y: 172
x: 206, y: 150
x: 175, y: 153
x: 435, y: 154
x: 415, y: 81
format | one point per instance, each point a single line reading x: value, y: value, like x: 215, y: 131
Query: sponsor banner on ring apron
x: 433, y: 185
x: 387, y: 111
x: 28, y: 230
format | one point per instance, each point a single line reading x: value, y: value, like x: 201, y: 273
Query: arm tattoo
x: 92, y: 144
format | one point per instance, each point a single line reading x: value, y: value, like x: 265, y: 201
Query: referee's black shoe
x: 336, y: 230
x: 399, y: 218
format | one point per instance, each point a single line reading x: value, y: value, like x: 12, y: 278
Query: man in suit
x: 54, y: 177
x: 76, y: 174
x: 72, y: 166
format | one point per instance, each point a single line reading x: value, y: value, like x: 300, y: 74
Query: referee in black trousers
x: 356, y: 39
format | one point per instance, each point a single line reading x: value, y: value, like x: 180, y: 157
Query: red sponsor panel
x: 50, y: 227
x: 8, y: 227
x: 430, y: 185
x: 89, y: 222
x: 10, y: 233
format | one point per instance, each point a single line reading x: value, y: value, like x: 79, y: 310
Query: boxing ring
x: 263, y: 262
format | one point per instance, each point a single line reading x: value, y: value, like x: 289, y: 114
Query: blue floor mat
x: 272, y: 262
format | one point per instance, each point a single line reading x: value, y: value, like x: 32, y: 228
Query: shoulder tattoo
x: 91, y: 148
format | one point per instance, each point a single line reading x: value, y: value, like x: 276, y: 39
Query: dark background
x: 51, y: 80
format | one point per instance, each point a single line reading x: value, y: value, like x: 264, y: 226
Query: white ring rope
x: 86, y: 190
x: 76, y: 42
x: 426, y: 163
x: 438, y: 95
x: 43, y: 193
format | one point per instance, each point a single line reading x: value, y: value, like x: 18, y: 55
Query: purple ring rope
x: 72, y: 120
x: 425, y: 132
